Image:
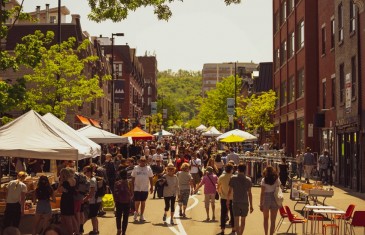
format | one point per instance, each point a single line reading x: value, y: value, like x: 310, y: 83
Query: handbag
x: 279, y: 196
x: 216, y: 192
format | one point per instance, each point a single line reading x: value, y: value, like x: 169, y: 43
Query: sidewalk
x: 341, y: 199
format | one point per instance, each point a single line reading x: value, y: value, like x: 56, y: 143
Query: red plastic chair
x: 283, y: 215
x: 358, y: 220
x: 294, y: 220
x: 347, y: 216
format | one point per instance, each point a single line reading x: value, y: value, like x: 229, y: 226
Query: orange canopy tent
x: 138, y: 134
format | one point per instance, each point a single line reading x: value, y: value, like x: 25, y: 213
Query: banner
x: 118, y: 90
x: 164, y: 113
x: 230, y: 106
x: 348, y: 92
x: 153, y: 108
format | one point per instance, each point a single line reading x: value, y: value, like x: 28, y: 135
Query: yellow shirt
x: 223, y: 185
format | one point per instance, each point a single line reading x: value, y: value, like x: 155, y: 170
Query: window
x: 277, y: 21
x: 291, y: 91
x: 283, y: 93
x: 283, y: 53
x: 277, y: 101
x: 53, y: 19
x: 291, y: 5
x: 342, y: 83
x: 283, y: 12
x: 323, y: 40
x: 277, y: 59
x: 332, y: 33
x: 300, y: 83
x: 300, y: 34
x: 333, y: 98
x: 324, y: 94
x: 340, y: 22
x: 353, y: 77
x: 291, y: 45
x: 352, y: 17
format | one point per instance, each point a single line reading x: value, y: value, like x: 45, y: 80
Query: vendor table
x: 308, y: 209
x: 312, y: 196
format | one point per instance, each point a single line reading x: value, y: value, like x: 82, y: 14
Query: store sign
x: 118, y: 90
x: 348, y: 87
x: 230, y: 106
x: 310, y: 129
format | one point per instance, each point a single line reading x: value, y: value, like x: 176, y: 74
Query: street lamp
x: 235, y: 94
x: 112, y: 62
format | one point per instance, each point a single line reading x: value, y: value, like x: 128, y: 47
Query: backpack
x: 82, y: 184
x: 100, y: 187
x: 121, y: 191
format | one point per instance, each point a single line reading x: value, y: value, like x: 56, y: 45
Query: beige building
x: 214, y: 72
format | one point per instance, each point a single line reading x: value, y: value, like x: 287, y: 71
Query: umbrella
x: 233, y: 138
x: 244, y: 134
x: 174, y: 127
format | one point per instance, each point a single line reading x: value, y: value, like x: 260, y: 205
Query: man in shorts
x: 240, y: 185
x: 141, y: 178
x: 195, y: 165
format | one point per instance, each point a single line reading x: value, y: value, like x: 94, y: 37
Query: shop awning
x: 83, y: 120
x: 95, y: 123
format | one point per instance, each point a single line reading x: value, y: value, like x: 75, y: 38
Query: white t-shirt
x: 270, y: 188
x: 93, y: 184
x: 141, y: 178
x: 15, y: 190
x: 157, y: 156
x: 195, y: 163
x: 233, y: 156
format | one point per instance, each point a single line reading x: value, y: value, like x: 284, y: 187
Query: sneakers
x: 93, y: 232
x: 164, y: 218
x: 172, y: 222
x: 180, y: 213
x: 141, y: 219
x: 135, y: 216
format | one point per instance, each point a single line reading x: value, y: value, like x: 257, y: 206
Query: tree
x: 58, y: 81
x: 213, y: 110
x: 11, y: 95
x: 258, y: 110
x: 116, y: 11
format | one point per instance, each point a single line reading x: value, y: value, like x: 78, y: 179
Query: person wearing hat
x: 15, y: 200
x: 170, y: 190
x: 308, y: 163
x: 209, y: 181
x: 141, y: 178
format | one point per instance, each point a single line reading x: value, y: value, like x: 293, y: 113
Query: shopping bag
x: 279, y: 196
x: 108, y: 202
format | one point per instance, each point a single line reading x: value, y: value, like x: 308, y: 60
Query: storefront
x: 347, y: 164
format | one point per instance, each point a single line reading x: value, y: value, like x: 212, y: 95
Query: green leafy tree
x: 180, y: 94
x: 11, y: 95
x: 213, y: 110
x: 58, y: 81
x: 118, y: 10
x: 258, y: 110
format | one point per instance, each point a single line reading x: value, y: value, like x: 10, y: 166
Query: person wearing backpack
x: 94, y: 200
x: 82, y: 189
x: 122, y: 195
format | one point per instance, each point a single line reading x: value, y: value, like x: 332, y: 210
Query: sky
x: 199, y: 31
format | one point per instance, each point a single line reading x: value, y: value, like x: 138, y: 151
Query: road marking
x: 181, y: 230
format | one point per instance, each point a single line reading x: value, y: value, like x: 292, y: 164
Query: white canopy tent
x: 201, y: 128
x: 247, y: 136
x: 164, y: 133
x: 30, y: 136
x: 62, y: 127
x: 103, y: 137
x: 212, y: 132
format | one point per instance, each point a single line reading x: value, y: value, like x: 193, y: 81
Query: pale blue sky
x: 200, y: 31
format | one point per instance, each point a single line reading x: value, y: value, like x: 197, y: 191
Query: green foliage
x: 11, y: 95
x: 116, y: 11
x: 58, y: 81
x: 213, y: 110
x: 258, y: 111
x: 180, y: 94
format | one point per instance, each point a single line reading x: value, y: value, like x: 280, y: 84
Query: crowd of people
x: 173, y: 168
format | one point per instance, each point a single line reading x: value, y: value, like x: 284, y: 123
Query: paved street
x: 194, y: 224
